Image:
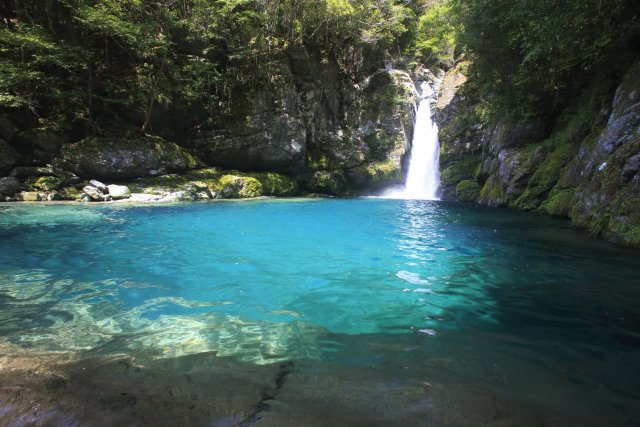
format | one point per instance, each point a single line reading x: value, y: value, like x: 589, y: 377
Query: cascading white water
x: 423, y: 177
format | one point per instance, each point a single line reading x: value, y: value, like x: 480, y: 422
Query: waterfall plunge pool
x: 347, y: 312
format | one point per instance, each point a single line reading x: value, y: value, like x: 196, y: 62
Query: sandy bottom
x: 64, y: 389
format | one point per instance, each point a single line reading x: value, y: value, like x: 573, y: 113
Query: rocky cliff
x: 336, y: 134
x: 584, y: 166
x: 333, y: 132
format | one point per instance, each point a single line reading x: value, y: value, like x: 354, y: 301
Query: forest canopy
x: 70, y: 61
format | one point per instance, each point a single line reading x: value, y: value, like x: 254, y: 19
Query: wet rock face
x: 624, y: 121
x: 587, y: 170
x: 313, y: 118
x: 9, y: 185
x: 267, y: 135
x: 113, y: 158
x: 607, y: 197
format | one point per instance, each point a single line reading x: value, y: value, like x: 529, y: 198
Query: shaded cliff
x: 584, y: 165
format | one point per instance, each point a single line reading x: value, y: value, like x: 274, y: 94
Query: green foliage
x: 71, y: 61
x: 437, y: 35
x: 531, y: 56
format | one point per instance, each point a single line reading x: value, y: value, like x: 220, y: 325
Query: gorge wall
x: 584, y: 166
x: 330, y: 132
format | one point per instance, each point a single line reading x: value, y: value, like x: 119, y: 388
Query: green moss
x: 545, y: 177
x: 275, y: 184
x: 207, y: 173
x: 373, y: 176
x: 165, y: 151
x: 468, y: 191
x: 247, y: 187
x: 559, y: 202
x: 463, y: 169
x: 624, y: 222
x: 28, y: 196
x: 247, y: 184
x: 170, y: 182
x: 329, y: 182
x: 70, y: 193
x: 44, y: 183
x: 492, y: 193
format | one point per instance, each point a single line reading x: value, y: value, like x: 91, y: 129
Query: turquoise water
x: 443, y: 292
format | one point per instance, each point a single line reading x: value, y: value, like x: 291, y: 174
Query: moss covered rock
x: 46, y: 183
x: 328, y: 182
x: 468, y: 191
x: 202, y: 184
x: 374, y: 176
x: 559, y: 202
x: 117, y: 159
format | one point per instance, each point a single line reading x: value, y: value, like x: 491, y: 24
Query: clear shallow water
x: 448, y: 293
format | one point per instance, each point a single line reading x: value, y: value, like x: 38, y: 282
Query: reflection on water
x: 516, y: 303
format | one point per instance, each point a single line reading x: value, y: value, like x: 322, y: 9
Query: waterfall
x: 423, y: 177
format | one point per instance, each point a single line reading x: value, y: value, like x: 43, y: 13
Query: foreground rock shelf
x: 41, y: 389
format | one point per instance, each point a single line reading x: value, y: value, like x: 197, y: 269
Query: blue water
x: 447, y: 292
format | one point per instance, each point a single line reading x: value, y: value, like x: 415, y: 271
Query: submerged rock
x: 119, y: 158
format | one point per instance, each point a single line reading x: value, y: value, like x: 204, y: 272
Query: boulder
x: 9, y: 185
x: 51, y: 196
x: 95, y: 194
x: 118, y: 158
x: 177, y: 196
x: 8, y: 157
x: 100, y: 186
x: 235, y: 187
x: 70, y: 193
x: 118, y: 192
x: 631, y: 167
x: 46, y: 183
x: 28, y: 196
